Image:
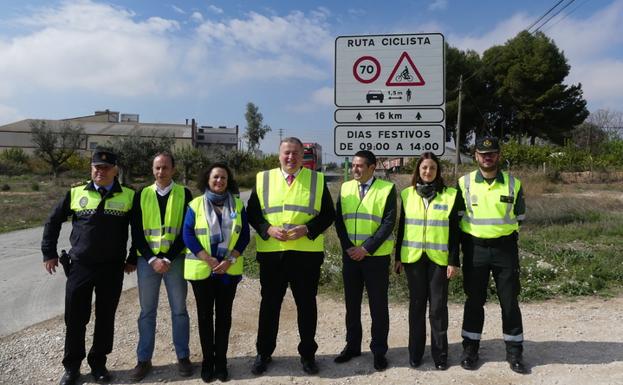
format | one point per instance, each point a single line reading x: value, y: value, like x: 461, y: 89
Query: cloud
x: 88, y: 46
x: 178, y: 9
x: 502, y: 32
x: 600, y: 83
x: 9, y: 114
x: 197, y: 17
x: 438, y: 5
x: 259, y: 47
x: 215, y: 9
x: 318, y: 99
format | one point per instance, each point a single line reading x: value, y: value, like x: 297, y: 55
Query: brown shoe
x: 185, y: 367
x: 140, y: 371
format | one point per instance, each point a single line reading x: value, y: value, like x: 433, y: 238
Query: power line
x: 544, y: 15
x: 554, y: 15
x: 565, y: 16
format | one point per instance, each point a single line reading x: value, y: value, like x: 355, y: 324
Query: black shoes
x: 260, y: 364
x: 101, y: 375
x: 185, y: 367
x: 69, y: 377
x: 207, y: 371
x: 469, y: 360
x: 415, y: 363
x: 380, y: 362
x: 309, y: 365
x: 346, y: 355
x: 140, y: 371
x: 222, y: 374
x: 441, y: 365
x: 516, y: 363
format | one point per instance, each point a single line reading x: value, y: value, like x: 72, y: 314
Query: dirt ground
x: 567, y: 342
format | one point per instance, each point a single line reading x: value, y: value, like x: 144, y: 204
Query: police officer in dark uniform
x: 493, y: 210
x: 100, y: 213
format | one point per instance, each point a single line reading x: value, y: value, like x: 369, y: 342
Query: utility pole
x: 280, y: 134
x: 457, y: 139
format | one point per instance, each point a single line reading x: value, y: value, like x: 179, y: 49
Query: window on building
x: 92, y: 145
x: 200, y: 137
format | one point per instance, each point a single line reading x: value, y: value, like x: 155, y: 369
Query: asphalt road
x: 30, y: 294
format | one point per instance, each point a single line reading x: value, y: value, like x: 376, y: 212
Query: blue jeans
x: 148, y: 293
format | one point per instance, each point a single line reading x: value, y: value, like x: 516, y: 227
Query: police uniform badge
x: 83, y: 202
x: 474, y: 199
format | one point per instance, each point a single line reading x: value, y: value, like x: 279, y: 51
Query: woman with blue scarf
x: 216, y: 232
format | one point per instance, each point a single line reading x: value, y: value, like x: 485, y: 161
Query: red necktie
x: 290, y: 179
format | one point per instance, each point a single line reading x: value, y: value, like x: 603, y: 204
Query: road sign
x: 407, y: 70
x: 389, y: 140
x: 389, y: 115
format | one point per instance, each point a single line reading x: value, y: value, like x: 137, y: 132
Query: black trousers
x: 301, y: 271
x: 214, y: 299
x: 500, y: 258
x: 106, y: 280
x: 373, y: 273
x: 428, y: 283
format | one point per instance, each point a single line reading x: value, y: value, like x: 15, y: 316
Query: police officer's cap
x: 104, y: 157
x: 487, y: 144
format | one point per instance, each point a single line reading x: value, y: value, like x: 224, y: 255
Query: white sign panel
x: 389, y: 70
x: 389, y: 140
x: 390, y: 115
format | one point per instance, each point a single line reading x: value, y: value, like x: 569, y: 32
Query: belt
x: 493, y: 242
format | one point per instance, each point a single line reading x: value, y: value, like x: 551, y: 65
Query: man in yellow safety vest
x: 289, y: 208
x: 365, y: 219
x: 493, y: 210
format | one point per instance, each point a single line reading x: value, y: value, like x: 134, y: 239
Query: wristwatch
x: 231, y: 259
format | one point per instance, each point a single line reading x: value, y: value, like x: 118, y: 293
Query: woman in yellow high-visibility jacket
x: 427, y: 249
x: 216, y: 232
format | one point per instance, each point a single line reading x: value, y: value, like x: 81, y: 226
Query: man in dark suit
x: 290, y: 207
x: 365, y: 219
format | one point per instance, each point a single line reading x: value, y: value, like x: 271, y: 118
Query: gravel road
x: 567, y: 342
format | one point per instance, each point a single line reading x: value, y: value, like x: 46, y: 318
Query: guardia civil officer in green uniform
x: 365, y: 219
x: 100, y: 213
x: 157, y: 236
x: 494, y: 209
x: 289, y: 208
x: 427, y: 248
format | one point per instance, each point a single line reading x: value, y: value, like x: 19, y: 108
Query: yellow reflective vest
x: 363, y: 217
x: 85, y: 202
x: 288, y: 206
x: 196, y: 268
x: 426, y: 229
x: 160, y: 236
x: 489, y: 208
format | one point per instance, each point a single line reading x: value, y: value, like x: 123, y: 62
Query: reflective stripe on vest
x: 289, y: 206
x: 486, y: 215
x: 362, y: 218
x: 160, y: 236
x: 426, y: 229
x: 85, y: 202
x: 196, y: 268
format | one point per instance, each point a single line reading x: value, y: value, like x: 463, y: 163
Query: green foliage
x: 56, y: 142
x: 189, y: 161
x: 135, y: 152
x: 9, y: 167
x: 14, y: 154
x: 34, y: 186
x: 5, y: 187
x: 256, y: 130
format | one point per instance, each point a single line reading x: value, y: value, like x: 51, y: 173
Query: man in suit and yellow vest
x: 493, y: 210
x: 157, y: 237
x: 365, y: 219
x: 289, y: 208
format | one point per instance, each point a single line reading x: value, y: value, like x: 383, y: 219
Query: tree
x: 525, y: 78
x: 56, y: 143
x: 256, y: 131
x: 189, y: 161
x: 135, y: 153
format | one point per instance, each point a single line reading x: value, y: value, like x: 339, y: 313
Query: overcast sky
x: 169, y: 61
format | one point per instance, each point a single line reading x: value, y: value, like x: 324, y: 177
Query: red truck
x: 312, y: 156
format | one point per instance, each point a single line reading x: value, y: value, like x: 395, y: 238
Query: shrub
x: 9, y: 167
x: 16, y: 155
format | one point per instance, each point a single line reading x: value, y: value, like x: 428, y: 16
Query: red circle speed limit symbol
x: 366, y: 69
